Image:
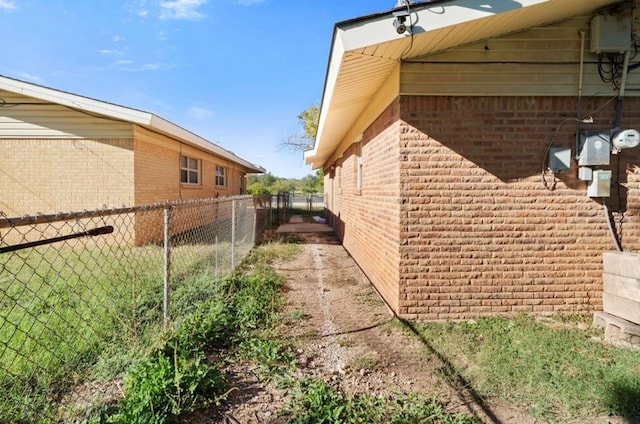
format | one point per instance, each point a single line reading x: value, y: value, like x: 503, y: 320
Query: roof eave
x: 170, y: 129
x: 361, y: 35
x: 113, y: 111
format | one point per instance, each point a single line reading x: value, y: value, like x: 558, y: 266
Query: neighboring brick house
x: 433, y: 143
x: 64, y: 152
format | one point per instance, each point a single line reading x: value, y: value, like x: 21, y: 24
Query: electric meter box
x: 610, y: 34
x: 625, y: 139
x: 600, y: 184
x: 594, y: 148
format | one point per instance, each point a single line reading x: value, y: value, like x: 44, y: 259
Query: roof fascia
x: 170, y: 129
x: 377, y: 29
x: 75, y: 101
x: 110, y: 110
x: 371, y: 30
x: 333, y: 68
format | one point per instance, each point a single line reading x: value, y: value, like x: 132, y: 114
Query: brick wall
x: 480, y: 233
x: 367, y: 219
x: 157, y: 170
x: 52, y: 175
x: 453, y: 220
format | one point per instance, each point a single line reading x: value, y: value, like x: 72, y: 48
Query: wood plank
x: 628, y: 288
x: 621, y: 307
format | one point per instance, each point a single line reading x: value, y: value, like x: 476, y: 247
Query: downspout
x: 580, y: 83
x: 623, y: 83
x: 580, y: 78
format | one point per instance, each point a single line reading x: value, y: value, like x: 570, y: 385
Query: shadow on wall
x: 336, y: 223
x: 509, y: 138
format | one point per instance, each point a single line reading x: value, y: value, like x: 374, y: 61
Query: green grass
x: 556, y: 370
x: 68, y: 316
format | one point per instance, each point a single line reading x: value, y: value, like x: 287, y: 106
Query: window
x: 189, y: 170
x: 221, y: 176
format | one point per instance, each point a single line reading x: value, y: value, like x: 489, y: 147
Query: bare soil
x: 345, y: 334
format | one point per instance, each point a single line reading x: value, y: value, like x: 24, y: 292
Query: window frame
x: 187, y: 169
x: 221, y: 176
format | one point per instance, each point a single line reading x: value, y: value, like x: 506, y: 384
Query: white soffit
x: 365, y: 51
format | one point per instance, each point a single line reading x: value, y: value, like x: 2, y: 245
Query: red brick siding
x: 367, y: 220
x: 480, y: 233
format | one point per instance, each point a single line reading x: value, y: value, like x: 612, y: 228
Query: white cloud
x: 137, y: 8
x: 7, y: 5
x: 250, y: 2
x: 199, y: 113
x: 181, y: 9
x: 130, y: 65
x: 29, y: 77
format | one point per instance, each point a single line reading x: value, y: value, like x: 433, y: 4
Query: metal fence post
x: 255, y: 226
x: 233, y: 234
x: 167, y: 265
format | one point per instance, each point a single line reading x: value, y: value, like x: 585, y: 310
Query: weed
x: 273, y: 356
x: 314, y: 401
x: 162, y: 386
x: 369, y: 297
x: 297, y: 315
x: 366, y: 361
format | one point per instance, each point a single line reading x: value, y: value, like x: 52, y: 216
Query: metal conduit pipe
x: 611, y: 224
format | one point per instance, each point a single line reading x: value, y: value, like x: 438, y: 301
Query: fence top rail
x: 6, y: 222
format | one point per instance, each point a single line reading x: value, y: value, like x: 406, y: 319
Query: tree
x: 312, y: 184
x: 266, y: 179
x: 257, y: 188
x: 308, y: 119
x: 282, y: 185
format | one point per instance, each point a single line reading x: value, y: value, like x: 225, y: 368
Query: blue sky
x: 236, y: 72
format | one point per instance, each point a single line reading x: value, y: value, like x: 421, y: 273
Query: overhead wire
x: 408, y: 49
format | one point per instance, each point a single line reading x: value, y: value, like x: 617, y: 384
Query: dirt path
x: 346, y: 335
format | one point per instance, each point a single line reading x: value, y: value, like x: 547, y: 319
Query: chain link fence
x: 80, y: 290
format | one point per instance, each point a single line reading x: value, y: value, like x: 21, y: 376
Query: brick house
x: 436, y: 143
x: 65, y: 152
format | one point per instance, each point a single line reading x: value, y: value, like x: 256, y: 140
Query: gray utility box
x: 610, y: 34
x: 594, y: 148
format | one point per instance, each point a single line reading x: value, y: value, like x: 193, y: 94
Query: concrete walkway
x: 297, y: 225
